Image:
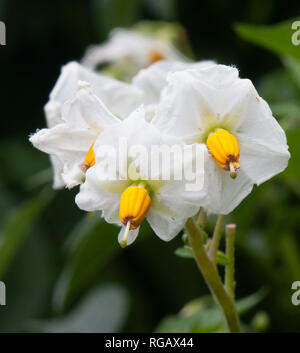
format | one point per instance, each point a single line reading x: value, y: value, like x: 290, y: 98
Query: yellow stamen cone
x: 155, y: 56
x: 134, y: 206
x: 89, y: 160
x: 224, y: 148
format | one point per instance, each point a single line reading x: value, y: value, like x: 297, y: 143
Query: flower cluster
x: 171, y: 103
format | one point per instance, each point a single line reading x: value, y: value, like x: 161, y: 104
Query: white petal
x: 66, y: 84
x: 263, y: 146
x: 68, y: 148
x: 57, y: 165
x: 164, y: 226
x: 196, y: 99
x: 87, y: 110
x: 53, y: 113
x: 129, y: 45
x: 258, y: 125
x: 153, y: 79
x: 97, y: 194
x: 119, y: 97
x: 136, y: 131
x: 72, y: 175
x: 185, y: 192
x: 64, y: 141
x: 225, y: 193
x: 261, y: 162
x: 132, y: 235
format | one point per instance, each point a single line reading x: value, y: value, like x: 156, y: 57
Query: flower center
x: 224, y: 148
x: 155, y: 56
x: 134, y: 205
x: 89, y: 160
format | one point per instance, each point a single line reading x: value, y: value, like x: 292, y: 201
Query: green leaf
x: 293, y: 170
x: 90, y: 246
x: 222, y: 259
x: 288, y: 113
x: 277, y: 37
x: 293, y: 67
x: 33, y: 161
x: 102, y: 310
x: 278, y: 87
x: 245, y: 304
x: 202, y: 315
x: 186, y: 252
x: 16, y: 226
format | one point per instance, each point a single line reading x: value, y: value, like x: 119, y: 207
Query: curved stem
x: 211, y: 277
x: 201, y: 219
x: 214, y: 246
x: 229, y: 270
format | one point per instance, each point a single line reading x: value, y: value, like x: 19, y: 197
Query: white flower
x: 119, y: 97
x: 127, y: 201
x: 129, y: 45
x: 84, y: 118
x: 213, y: 106
x: 152, y: 80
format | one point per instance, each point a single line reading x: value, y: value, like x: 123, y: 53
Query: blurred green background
x: 64, y: 270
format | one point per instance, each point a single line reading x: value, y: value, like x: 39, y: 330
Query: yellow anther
x: 155, y: 56
x: 224, y: 148
x: 134, y: 206
x: 89, y: 160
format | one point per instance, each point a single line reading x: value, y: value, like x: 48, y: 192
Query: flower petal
x: 132, y: 235
x: 87, y: 110
x: 98, y: 193
x: 261, y: 162
x: 198, y: 98
x: 153, y: 79
x: 258, y: 125
x: 119, y: 97
x: 164, y: 226
x: 225, y: 193
x: 68, y: 146
x: 64, y: 141
x: 126, y: 44
x: 57, y: 165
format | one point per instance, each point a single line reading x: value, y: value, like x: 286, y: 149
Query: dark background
x: 43, y: 35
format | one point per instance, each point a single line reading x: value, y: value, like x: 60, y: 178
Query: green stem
x: 201, y: 219
x: 215, y: 243
x: 211, y: 276
x: 229, y: 271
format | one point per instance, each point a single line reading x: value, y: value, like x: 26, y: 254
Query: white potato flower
x: 216, y: 108
x: 153, y: 79
x: 129, y: 45
x: 120, y: 98
x: 126, y: 199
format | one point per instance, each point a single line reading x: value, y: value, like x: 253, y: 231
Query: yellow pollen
x: 134, y: 206
x: 224, y: 148
x: 155, y: 56
x: 89, y: 160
